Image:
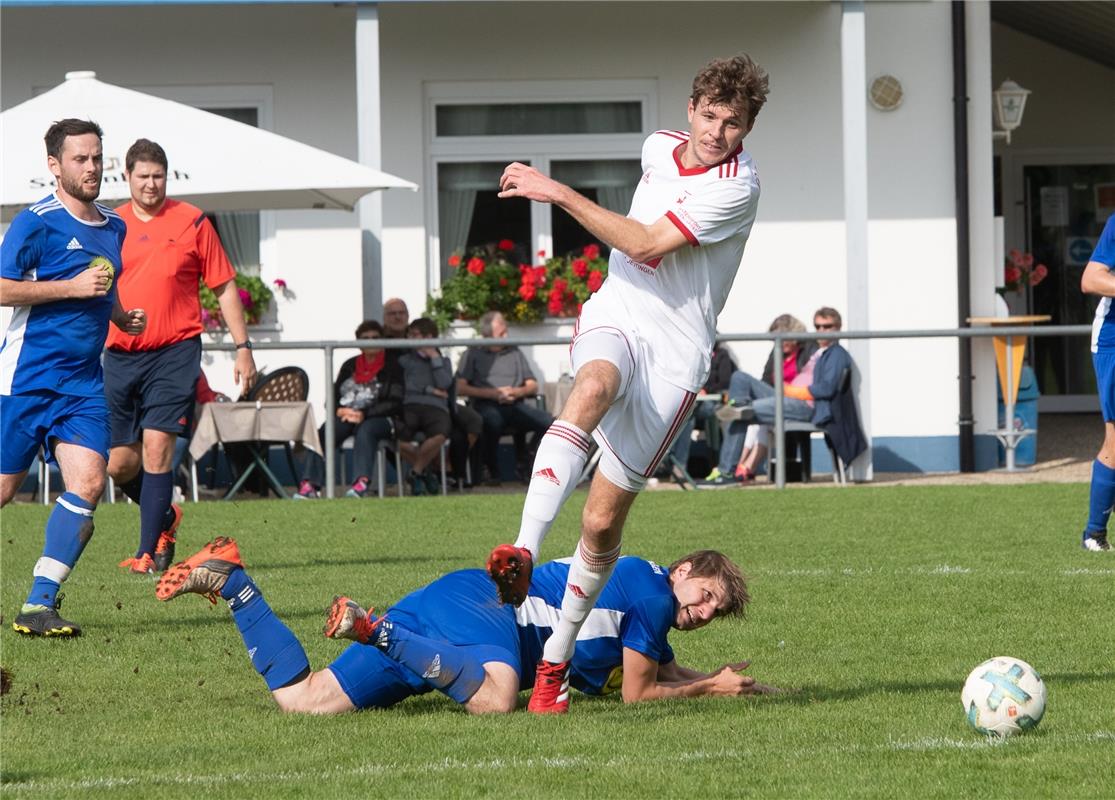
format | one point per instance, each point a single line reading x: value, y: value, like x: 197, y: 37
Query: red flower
x: 580, y: 267
x: 1013, y: 275
x: 542, y: 255
x: 454, y: 261
x: 503, y: 281
x: 476, y: 265
x: 527, y: 291
x: 1038, y: 275
x: 245, y: 298
x: 279, y: 283
x: 539, y: 276
x: 595, y: 280
x: 560, y: 285
x: 554, y: 306
x: 506, y: 245
x: 592, y: 251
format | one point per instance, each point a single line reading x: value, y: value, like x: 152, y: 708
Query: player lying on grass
x: 455, y: 636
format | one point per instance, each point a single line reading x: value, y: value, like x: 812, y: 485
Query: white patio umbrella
x: 215, y: 163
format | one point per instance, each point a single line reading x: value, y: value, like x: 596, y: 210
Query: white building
x: 859, y: 204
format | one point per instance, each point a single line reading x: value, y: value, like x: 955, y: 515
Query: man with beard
x: 58, y: 262
x: 150, y: 380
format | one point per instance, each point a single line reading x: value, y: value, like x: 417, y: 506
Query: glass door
x: 1066, y: 206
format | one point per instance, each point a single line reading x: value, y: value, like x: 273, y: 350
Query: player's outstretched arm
x: 1098, y: 279
x: 89, y: 283
x: 641, y: 681
x: 631, y: 237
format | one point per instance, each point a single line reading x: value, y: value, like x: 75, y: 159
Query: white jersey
x: 672, y: 303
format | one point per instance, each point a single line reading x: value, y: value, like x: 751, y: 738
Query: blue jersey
x: 636, y: 609
x: 57, y: 345
x: 1103, y: 327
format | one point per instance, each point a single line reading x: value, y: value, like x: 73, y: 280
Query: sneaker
x: 510, y: 567
x: 139, y: 565
x: 551, y: 689
x: 347, y: 620
x: 40, y: 620
x: 164, y: 548
x: 205, y: 572
x: 433, y: 483
x: 744, y: 475
x: 306, y: 491
x: 735, y: 413
x: 417, y: 485
x: 359, y: 488
x: 1096, y: 542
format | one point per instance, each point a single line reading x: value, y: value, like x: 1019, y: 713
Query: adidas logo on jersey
x: 74, y: 244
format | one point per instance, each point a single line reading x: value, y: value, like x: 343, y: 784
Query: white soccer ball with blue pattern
x: 1003, y: 696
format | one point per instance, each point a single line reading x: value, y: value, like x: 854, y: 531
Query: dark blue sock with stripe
x: 1101, y: 498
x: 275, y: 651
x: 154, y: 503
x: 446, y: 667
x: 68, y: 529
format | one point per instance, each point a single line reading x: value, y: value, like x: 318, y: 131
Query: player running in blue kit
x: 455, y: 636
x: 1099, y: 278
x: 57, y: 265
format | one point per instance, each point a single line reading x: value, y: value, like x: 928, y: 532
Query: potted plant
x: 255, y: 296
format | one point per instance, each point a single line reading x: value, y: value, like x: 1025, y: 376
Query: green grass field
x: 872, y: 603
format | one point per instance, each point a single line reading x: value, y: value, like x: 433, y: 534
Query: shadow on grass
x: 814, y: 694
x: 260, y: 566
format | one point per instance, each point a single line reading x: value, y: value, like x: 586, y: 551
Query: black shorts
x: 427, y: 420
x: 151, y: 389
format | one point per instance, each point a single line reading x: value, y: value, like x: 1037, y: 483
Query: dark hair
x: 714, y: 564
x: 738, y: 83
x: 425, y: 327
x: 56, y: 134
x: 829, y: 313
x: 145, y: 150
x: 368, y: 325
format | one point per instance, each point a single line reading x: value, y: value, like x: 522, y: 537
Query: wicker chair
x: 285, y: 385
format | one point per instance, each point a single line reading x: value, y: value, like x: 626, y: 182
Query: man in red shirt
x: 150, y: 379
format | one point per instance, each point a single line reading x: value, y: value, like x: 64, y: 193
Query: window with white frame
x: 586, y: 134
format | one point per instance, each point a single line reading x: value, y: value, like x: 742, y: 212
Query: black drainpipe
x: 963, y: 252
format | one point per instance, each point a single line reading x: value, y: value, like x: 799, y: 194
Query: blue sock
x: 1101, y: 498
x: 154, y: 502
x: 68, y: 530
x: 276, y: 653
x: 447, y: 667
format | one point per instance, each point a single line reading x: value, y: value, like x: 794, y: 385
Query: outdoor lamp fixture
x: 1010, y: 102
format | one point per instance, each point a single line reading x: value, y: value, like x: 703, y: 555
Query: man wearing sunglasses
x: 819, y: 394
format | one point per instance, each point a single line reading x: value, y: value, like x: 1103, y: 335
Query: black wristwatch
x: 245, y: 345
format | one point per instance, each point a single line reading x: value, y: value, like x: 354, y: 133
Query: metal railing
x: 328, y: 347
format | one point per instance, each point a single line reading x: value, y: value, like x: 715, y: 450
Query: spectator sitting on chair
x: 499, y: 380
x: 363, y: 407
x: 717, y: 384
x: 428, y: 377
x: 816, y: 394
x: 744, y: 447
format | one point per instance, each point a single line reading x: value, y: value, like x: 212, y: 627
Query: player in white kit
x: 643, y: 343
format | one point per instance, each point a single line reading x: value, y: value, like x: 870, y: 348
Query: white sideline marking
x: 561, y: 762
x: 1089, y: 571
x: 940, y: 569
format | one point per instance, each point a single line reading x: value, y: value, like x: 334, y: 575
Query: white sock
x: 589, y: 572
x: 558, y: 464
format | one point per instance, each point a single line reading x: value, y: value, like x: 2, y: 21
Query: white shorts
x: 640, y: 426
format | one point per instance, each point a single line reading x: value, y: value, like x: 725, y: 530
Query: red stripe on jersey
x: 681, y: 227
x: 674, y: 135
x: 679, y: 420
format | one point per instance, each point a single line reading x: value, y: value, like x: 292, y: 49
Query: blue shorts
x: 1104, y: 364
x: 34, y: 419
x: 152, y: 389
x: 461, y: 609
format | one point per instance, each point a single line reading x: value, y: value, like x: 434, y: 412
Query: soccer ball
x: 1003, y: 696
